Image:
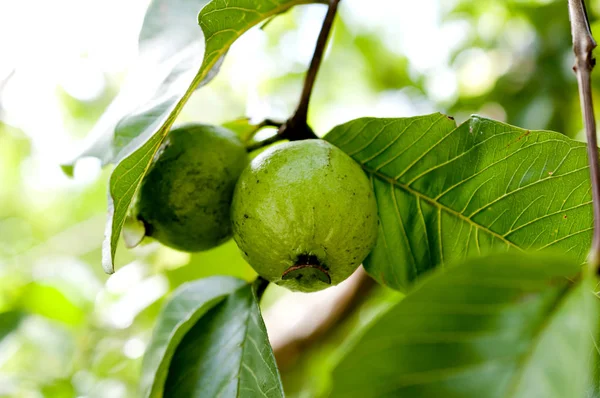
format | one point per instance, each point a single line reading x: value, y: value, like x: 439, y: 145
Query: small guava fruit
x: 304, y: 215
x: 185, y: 198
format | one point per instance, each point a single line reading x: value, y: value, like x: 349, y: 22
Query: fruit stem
x: 296, y: 128
x: 583, y: 46
x: 260, y: 285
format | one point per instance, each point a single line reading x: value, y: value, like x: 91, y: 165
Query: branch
x: 289, y: 352
x: 315, y: 64
x: 583, y: 46
x: 296, y: 128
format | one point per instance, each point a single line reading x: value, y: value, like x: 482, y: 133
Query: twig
x: 288, y: 353
x: 261, y: 144
x: 252, y: 146
x: 257, y: 127
x: 583, y: 46
x: 270, y: 123
x: 296, y: 128
x: 315, y: 64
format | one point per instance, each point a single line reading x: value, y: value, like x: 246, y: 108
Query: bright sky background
x: 77, y: 44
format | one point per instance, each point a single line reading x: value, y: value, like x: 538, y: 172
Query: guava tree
x: 486, y: 227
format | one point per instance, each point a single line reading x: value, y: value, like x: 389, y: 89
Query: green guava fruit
x: 185, y: 198
x: 304, y: 215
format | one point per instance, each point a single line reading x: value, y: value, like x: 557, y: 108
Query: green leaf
x: 445, y: 192
x: 594, y: 387
x: 506, y: 326
x: 142, y: 133
x: 188, y: 304
x: 226, y: 354
x: 9, y: 322
x: 594, y: 361
x: 51, y: 302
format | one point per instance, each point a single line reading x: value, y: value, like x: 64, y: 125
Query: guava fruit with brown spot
x: 304, y: 215
x: 185, y: 198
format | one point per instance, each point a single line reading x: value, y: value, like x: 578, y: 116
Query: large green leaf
x: 444, y: 192
x: 141, y: 134
x: 184, y: 309
x: 226, y: 354
x: 506, y: 326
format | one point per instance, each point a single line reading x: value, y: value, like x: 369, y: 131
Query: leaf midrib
x: 440, y: 206
x: 243, y: 346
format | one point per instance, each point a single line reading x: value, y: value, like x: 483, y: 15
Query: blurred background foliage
x: 68, y: 330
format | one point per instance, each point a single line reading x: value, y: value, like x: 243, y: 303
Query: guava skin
x: 304, y: 215
x: 186, y: 196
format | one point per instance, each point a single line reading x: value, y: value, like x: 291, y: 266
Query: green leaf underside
x: 143, y: 133
x: 187, y: 305
x: 226, y: 354
x: 445, y: 192
x: 171, y: 46
x: 504, y: 326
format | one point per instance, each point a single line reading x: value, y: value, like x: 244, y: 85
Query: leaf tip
x: 108, y: 264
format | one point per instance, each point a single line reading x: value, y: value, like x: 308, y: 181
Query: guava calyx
x: 307, y: 267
